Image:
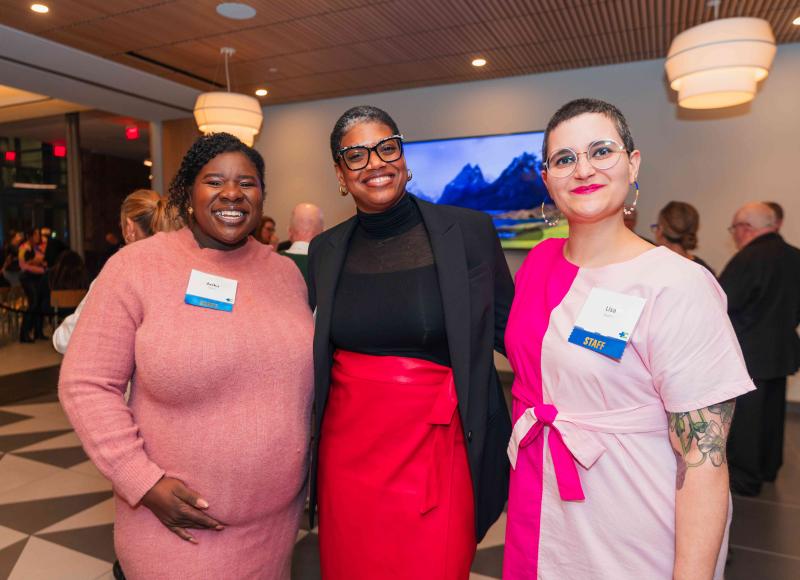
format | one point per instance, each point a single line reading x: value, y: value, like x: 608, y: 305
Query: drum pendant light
x: 719, y: 63
x: 227, y: 112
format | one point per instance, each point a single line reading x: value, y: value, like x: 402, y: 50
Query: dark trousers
x: 32, y: 318
x: 755, y: 442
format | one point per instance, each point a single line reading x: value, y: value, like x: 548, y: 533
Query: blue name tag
x: 209, y: 291
x: 606, y: 321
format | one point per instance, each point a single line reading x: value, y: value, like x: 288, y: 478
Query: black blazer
x: 477, y: 291
x: 762, y: 282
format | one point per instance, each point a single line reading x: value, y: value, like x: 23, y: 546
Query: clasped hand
x: 179, y: 508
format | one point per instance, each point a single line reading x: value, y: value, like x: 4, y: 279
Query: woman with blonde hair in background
x: 143, y: 213
x: 676, y: 229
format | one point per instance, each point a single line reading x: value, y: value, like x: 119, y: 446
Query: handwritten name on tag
x: 210, y: 291
x: 606, y: 321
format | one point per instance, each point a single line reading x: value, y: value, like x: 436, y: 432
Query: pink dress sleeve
x: 94, y: 376
x: 695, y: 358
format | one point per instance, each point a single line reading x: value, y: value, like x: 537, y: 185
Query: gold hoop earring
x: 343, y: 191
x: 630, y: 209
x: 550, y: 223
x: 410, y: 175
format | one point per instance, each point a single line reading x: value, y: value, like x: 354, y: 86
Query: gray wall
x: 714, y: 160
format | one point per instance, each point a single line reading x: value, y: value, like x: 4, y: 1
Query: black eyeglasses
x: 356, y: 157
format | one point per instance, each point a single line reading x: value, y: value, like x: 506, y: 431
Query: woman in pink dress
x: 209, y: 458
x: 626, y: 369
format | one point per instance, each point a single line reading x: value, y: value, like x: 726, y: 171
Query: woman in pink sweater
x: 209, y: 458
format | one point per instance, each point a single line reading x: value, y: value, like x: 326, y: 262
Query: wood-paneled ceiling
x: 312, y: 49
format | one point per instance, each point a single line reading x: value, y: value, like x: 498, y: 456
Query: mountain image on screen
x: 519, y: 186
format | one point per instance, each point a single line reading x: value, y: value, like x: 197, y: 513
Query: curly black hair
x: 201, y: 152
x: 359, y: 114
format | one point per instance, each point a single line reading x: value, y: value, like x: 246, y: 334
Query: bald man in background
x: 762, y: 282
x: 305, y: 225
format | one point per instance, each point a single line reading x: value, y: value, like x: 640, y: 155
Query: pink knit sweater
x: 220, y: 400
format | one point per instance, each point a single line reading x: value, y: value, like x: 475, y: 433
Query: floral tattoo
x: 702, y: 436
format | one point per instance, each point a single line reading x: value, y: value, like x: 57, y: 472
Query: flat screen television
x: 497, y: 174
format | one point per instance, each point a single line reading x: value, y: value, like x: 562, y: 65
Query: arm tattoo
x: 702, y: 435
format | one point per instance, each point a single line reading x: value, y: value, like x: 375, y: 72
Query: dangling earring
x: 629, y: 209
x: 190, y: 211
x: 551, y: 223
x: 410, y: 175
x: 343, y: 190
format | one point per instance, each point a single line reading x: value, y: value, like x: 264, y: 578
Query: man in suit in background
x: 778, y: 210
x: 762, y: 282
x: 305, y: 225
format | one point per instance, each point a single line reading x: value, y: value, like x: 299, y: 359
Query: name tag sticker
x: 606, y: 321
x: 209, y: 291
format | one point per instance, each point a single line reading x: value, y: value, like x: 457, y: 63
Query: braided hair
x: 201, y: 152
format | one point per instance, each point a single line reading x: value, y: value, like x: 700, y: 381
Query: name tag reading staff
x: 210, y: 291
x: 606, y: 321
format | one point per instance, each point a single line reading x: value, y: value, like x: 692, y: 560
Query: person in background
x: 676, y: 229
x: 32, y: 276
x: 305, y: 225
x: 625, y: 370
x: 11, y: 270
x: 411, y: 300
x: 762, y: 282
x: 209, y: 459
x: 69, y: 272
x: 54, y: 246
x: 266, y: 232
x: 778, y: 211
x: 143, y: 213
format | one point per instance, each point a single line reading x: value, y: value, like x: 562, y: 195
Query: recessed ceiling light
x: 796, y: 21
x: 479, y: 62
x: 262, y: 92
x: 40, y: 8
x: 148, y: 163
x: 236, y: 10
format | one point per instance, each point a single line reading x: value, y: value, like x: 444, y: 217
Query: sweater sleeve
x: 94, y: 376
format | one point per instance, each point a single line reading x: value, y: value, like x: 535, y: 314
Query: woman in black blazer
x: 411, y: 299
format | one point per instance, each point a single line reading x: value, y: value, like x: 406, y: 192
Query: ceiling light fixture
x: 718, y: 64
x: 40, y: 8
x: 262, y: 92
x: 479, y: 62
x: 148, y: 163
x: 236, y: 11
x: 227, y: 112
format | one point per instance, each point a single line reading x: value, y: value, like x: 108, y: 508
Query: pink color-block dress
x: 592, y: 493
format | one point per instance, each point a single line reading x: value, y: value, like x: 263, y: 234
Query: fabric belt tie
x: 570, y: 439
x: 440, y: 420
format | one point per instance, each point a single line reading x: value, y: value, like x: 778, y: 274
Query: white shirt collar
x: 298, y: 248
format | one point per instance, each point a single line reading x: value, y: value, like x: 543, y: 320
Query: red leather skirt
x: 394, y: 487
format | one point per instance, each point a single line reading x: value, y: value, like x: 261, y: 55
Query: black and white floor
x: 56, y: 510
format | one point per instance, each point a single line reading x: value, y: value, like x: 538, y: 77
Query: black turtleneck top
x: 388, y: 300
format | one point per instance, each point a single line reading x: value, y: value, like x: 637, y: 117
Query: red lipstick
x: 585, y: 189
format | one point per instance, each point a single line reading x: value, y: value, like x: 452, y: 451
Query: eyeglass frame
x: 371, y: 150
x: 732, y: 228
x: 621, y: 150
